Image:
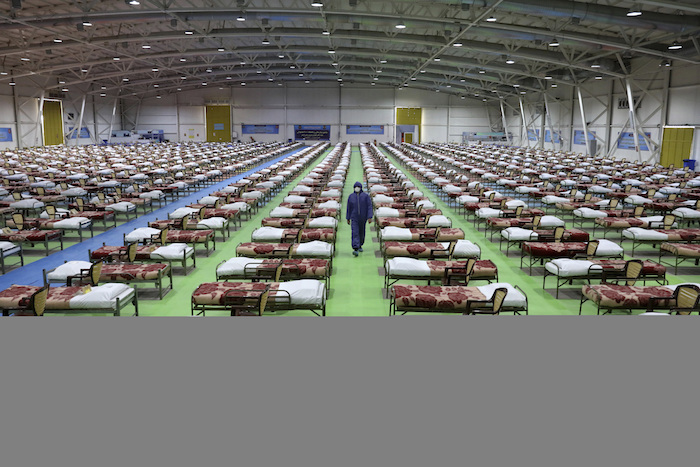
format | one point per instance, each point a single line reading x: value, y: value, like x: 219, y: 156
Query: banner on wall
x: 260, y: 129
x: 84, y: 133
x: 548, y: 137
x: 533, y: 135
x: 5, y: 135
x: 578, y: 136
x: 365, y: 129
x: 312, y: 132
x: 626, y: 141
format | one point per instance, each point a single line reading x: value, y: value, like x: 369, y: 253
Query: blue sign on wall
x: 626, y: 141
x: 218, y: 126
x: 365, y: 130
x: 5, y: 135
x: 260, y: 129
x: 312, y: 132
x: 548, y: 137
x: 84, y: 132
x: 578, y: 136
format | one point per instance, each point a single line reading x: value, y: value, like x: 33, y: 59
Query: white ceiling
x: 162, y: 47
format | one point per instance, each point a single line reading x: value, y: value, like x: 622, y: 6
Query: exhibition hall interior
x: 513, y: 157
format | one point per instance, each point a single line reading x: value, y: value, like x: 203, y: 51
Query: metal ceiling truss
x: 45, y: 37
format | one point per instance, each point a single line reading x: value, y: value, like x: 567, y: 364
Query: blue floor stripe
x: 31, y: 274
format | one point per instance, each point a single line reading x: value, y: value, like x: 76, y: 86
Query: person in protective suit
x: 359, y: 212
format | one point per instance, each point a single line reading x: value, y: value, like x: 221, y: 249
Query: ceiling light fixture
x: 240, y: 18
x: 145, y: 46
x: 510, y: 61
x: 598, y: 77
x: 331, y: 51
x: 634, y: 11
x: 58, y: 41
x: 457, y: 44
x: 12, y: 83
x: 595, y: 65
x: 183, y: 59
x: 400, y: 25
x: 554, y: 43
x: 102, y: 94
x: 87, y: 23
x: 116, y: 59
x: 675, y: 46
x: 221, y: 49
x: 24, y: 59
x: 491, y: 19
x: 317, y: 4
x: 189, y: 33
x: 154, y: 69
x: 133, y: 2
x: 266, y: 41
x: 325, y: 32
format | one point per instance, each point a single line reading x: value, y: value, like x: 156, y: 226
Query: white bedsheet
x: 439, y: 221
x: 237, y: 265
x: 212, y: 223
x: 141, y: 234
x: 332, y: 204
x: 686, y: 213
x: 101, y: 297
x: 303, y: 292
x: 315, y: 248
x: 295, y: 199
x: 325, y: 222
x: 519, y: 234
x: 237, y: 206
x: 608, y: 248
x: 282, y: 212
x: 407, y: 267
x: 485, y: 213
x: 514, y: 297
x: 266, y: 234
x: 589, y: 213
x: 386, y: 212
x: 466, y: 249
x: 637, y: 233
x: 179, y: 213
x: 71, y: 268
x: 123, y: 206
x: 72, y: 223
x: 172, y: 252
x: 383, y: 199
x: 564, y: 267
x: 27, y: 203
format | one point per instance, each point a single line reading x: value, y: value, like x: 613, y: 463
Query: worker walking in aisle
x: 359, y: 212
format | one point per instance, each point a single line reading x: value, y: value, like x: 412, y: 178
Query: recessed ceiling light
x: 373, y: 84
x: 334, y: 63
x: 462, y: 80
x: 281, y: 56
x: 242, y: 63
x: 292, y: 67
x: 179, y: 89
x: 516, y: 85
x: 380, y: 71
x: 84, y: 70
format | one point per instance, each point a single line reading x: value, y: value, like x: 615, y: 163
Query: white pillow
x: 439, y: 221
x: 466, y: 249
x: 514, y: 297
x: 325, y: 222
x: 71, y: 268
x: 140, y: 234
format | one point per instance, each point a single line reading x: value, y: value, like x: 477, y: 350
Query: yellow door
x: 218, y: 123
x: 53, y: 123
x: 408, y: 138
x: 676, y: 145
x: 410, y: 116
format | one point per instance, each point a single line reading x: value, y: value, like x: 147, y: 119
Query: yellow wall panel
x: 676, y: 145
x: 53, y: 123
x: 218, y: 123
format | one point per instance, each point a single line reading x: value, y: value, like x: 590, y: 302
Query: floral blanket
x: 554, y: 250
x: 217, y: 293
x: 414, y: 249
x: 30, y: 235
x: 324, y: 235
x: 283, y: 222
x: 623, y: 296
x: 426, y: 297
x: 689, y: 250
x: 189, y: 236
x: 263, y: 249
x: 124, y: 272
x: 112, y: 253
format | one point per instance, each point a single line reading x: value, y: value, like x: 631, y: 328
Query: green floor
x: 356, y: 283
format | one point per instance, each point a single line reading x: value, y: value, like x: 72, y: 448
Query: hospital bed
x: 452, y: 299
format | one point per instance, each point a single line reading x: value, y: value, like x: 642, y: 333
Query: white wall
x: 445, y: 117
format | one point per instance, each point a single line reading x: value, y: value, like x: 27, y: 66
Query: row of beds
x: 419, y: 244
x: 570, y: 253
x: 46, y: 194
x: 288, y: 263
x: 104, y: 284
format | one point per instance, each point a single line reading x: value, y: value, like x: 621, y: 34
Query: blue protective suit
x: 359, y: 210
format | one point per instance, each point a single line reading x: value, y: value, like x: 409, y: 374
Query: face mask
x: 357, y: 189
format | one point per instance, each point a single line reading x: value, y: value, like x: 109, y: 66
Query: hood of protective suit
x: 356, y: 185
